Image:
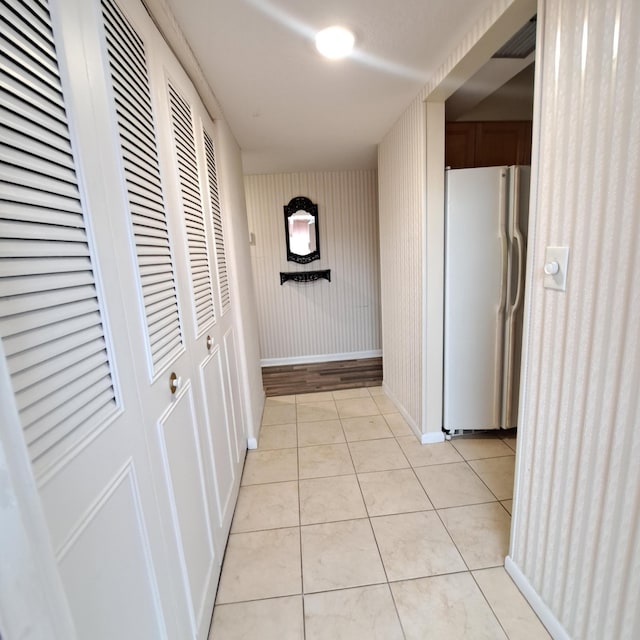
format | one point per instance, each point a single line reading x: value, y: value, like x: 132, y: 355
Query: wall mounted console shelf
x: 305, y: 276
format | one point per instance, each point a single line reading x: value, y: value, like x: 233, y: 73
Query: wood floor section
x: 322, y: 376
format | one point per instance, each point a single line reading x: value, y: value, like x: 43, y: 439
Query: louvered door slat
x: 89, y: 406
x: 40, y: 415
x: 41, y: 215
x: 134, y: 111
x: 37, y: 266
x: 164, y: 340
x: 55, y: 348
x: 38, y: 336
x: 29, y: 302
x: 184, y: 140
x: 35, y: 13
x: 163, y: 347
x: 218, y: 232
x: 39, y: 318
x: 132, y: 45
x: 63, y: 370
x: 148, y: 231
x: 162, y: 294
x: 139, y: 217
x: 38, y: 171
x: 20, y: 229
x: 58, y: 180
x: 47, y: 280
x: 39, y: 248
x: 157, y: 306
x: 159, y: 300
x: 22, y: 118
x: 134, y: 137
x: 26, y: 44
x: 35, y: 407
x: 42, y: 199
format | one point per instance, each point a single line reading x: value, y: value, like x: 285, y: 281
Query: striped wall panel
x: 576, y: 532
x: 402, y: 173
x: 320, y: 318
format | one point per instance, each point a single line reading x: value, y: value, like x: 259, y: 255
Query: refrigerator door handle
x: 505, y: 259
x: 517, y: 236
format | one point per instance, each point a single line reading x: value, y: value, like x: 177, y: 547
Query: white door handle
x: 174, y: 382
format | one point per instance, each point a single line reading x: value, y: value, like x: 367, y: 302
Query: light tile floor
x: 347, y: 528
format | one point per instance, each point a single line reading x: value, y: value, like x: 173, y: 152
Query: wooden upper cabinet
x: 487, y: 144
x: 460, y: 144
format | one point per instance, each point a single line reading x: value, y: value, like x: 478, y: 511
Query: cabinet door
x: 460, y: 145
x: 502, y: 143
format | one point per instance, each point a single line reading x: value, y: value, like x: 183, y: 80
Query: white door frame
x: 433, y: 242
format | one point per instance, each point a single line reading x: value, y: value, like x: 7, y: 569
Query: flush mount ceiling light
x: 335, y: 42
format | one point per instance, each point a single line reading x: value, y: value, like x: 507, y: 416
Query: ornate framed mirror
x: 301, y: 230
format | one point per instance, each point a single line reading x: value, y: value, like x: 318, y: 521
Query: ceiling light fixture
x: 335, y: 42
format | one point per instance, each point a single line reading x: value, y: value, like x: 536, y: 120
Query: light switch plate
x: 556, y: 257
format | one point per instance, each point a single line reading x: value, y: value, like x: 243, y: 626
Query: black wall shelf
x: 305, y: 276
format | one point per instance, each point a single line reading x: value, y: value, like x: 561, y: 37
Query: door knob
x: 174, y: 382
x: 209, y: 343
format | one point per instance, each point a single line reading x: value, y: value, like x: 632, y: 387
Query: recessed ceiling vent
x: 521, y: 44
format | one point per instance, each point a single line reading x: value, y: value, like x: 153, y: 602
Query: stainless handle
x: 209, y: 343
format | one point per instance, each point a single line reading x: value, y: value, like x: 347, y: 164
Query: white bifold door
x: 116, y: 316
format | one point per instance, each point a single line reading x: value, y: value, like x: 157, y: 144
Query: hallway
x: 346, y: 527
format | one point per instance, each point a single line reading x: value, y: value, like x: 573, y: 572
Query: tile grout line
x: 304, y: 621
x: 495, y: 615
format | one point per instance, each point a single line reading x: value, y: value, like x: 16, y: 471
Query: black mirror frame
x: 300, y: 203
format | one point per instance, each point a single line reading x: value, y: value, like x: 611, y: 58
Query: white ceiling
x: 292, y: 110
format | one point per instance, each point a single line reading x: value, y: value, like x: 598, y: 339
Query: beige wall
x: 302, y: 322
x: 575, y: 537
x: 402, y: 166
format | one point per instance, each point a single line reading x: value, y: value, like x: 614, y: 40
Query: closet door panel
x: 192, y: 520
x: 222, y: 447
x: 233, y: 378
x: 112, y: 531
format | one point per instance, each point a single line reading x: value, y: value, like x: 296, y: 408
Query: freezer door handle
x: 518, y: 240
x: 505, y: 259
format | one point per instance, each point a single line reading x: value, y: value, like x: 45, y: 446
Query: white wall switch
x: 556, y: 262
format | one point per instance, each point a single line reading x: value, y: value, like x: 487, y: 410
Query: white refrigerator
x: 485, y: 256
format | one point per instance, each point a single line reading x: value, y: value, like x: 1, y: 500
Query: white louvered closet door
x: 64, y: 332
x: 198, y: 283
x: 175, y: 295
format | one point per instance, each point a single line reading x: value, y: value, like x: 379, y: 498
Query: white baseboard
x: 327, y: 357
x: 432, y: 437
x: 252, y: 443
x: 425, y: 438
x: 548, y: 619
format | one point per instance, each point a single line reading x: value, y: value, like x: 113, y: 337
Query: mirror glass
x: 301, y: 230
